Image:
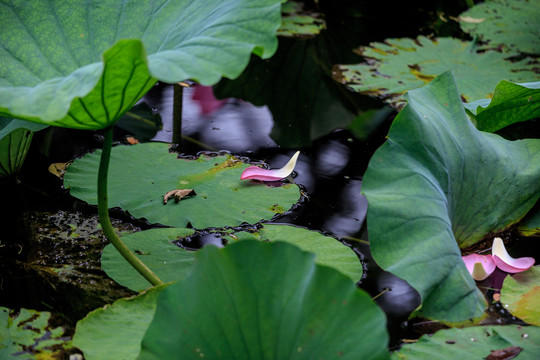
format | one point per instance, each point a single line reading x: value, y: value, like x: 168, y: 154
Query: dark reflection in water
x: 235, y: 125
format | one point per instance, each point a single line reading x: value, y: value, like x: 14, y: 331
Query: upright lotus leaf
x: 156, y: 249
x: 27, y: 334
x: 82, y: 64
x: 511, y: 103
x: 398, y: 65
x: 477, y: 342
x: 15, y: 139
x: 264, y: 300
x: 520, y: 294
x: 510, y: 24
x: 140, y: 175
x: 437, y: 185
x: 116, y: 331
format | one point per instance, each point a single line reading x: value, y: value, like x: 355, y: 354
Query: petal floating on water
x: 257, y: 173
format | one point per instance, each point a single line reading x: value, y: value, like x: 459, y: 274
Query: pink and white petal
x: 514, y: 265
x: 507, y: 263
x: 479, y: 266
x: 257, y: 173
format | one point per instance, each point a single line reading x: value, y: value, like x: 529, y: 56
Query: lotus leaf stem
x: 105, y: 220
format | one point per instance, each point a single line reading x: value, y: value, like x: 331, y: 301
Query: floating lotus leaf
x: 511, y: 103
x: 116, y: 331
x: 171, y: 262
x: 398, y: 65
x: 328, y: 251
x: 296, y: 22
x: 438, y: 185
x: 521, y: 295
x: 83, y: 64
x: 512, y: 24
x: 27, y: 334
x: 264, y: 300
x: 140, y: 175
x: 156, y: 249
x: 478, y: 342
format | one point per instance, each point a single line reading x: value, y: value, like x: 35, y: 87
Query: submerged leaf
x: 27, y: 334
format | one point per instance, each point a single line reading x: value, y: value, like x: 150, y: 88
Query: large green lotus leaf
x: 398, y: 65
x: 140, y: 175
x: 15, y: 139
x: 82, y: 64
x: 328, y: 251
x: 437, y: 185
x: 521, y: 295
x: 26, y: 334
x: 116, y: 331
x: 156, y: 249
x: 264, y: 300
x: 511, y: 103
x: 512, y: 24
x: 477, y: 342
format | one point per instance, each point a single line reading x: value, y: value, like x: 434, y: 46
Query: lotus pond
x: 258, y: 179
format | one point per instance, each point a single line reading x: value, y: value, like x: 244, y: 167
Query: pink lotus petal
x: 257, y: 173
x: 507, y: 263
x: 479, y: 266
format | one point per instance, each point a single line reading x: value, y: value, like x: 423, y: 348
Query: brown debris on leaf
x: 505, y: 354
x: 177, y: 194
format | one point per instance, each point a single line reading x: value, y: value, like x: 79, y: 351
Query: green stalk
x: 105, y: 221
x: 177, y: 114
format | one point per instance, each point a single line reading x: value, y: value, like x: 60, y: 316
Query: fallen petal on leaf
x: 479, y: 266
x: 507, y: 263
x: 257, y: 173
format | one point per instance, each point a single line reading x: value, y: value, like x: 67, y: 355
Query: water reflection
x: 234, y: 125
